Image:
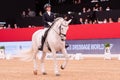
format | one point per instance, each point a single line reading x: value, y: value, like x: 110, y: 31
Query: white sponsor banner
x: 95, y: 46
x: 75, y: 46
x: 12, y: 48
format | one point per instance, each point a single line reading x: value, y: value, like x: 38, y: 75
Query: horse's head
x: 64, y: 26
x: 60, y: 26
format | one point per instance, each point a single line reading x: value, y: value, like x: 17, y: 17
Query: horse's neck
x: 56, y: 27
x: 54, y: 31
x: 57, y: 23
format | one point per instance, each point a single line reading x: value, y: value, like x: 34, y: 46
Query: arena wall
x: 75, y: 32
x: 85, y: 39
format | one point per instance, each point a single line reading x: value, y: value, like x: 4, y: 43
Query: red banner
x: 94, y: 31
x: 75, y: 32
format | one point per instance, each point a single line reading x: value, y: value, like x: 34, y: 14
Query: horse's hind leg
x: 42, y: 63
x: 35, y: 63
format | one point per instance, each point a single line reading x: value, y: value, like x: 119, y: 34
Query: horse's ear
x: 69, y: 21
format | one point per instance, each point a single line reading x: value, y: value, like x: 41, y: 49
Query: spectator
x: 89, y: 10
x: 61, y: 1
x: 105, y: 21
x: 9, y: 26
x: 108, y: 8
x: 33, y: 26
x: 100, y: 22
x: 119, y: 19
x: 84, y: 10
x: 23, y: 14
x: 29, y: 26
x: 90, y: 21
x: 40, y: 13
x: 31, y: 13
x: 86, y: 21
x: 96, y: 8
x: 110, y: 20
x: 76, y: 1
x: 4, y: 27
x: 80, y: 21
x: 15, y: 26
x: 100, y: 8
x: 95, y: 22
x: 93, y: 1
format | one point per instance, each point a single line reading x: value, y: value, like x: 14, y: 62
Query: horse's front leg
x: 64, y: 51
x: 55, y: 64
x: 34, y: 64
x: 42, y: 63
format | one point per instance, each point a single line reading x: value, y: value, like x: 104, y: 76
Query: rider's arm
x: 44, y: 20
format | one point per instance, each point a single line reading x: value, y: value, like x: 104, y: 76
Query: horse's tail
x: 26, y: 55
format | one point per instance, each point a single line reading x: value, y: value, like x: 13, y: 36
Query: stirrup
x: 66, y: 45
x: 40, y: 48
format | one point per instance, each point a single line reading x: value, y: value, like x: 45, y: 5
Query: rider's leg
x: 43, y: 40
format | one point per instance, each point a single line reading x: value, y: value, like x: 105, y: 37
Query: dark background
x: 10, y: 10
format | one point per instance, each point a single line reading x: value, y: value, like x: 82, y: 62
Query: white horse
x: 56, y: 42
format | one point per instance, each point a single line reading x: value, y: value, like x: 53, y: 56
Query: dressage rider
x: 48, y: 17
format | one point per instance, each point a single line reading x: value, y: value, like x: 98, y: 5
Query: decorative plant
x: 107, y: 44
x: 2, y: 47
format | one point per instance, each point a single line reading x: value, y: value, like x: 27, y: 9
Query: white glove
x: 49, y: 23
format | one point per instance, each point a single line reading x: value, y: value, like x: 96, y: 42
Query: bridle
x: 62, y: 35
x: 61, y: 32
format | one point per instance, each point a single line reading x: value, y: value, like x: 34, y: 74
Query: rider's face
x: 48, y: 8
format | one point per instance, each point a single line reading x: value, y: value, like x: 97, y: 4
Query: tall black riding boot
x: 42, y: 42
x: 43, y: 39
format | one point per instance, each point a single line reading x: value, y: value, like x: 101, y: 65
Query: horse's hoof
x: 61, y: 67
x: 44, y: 73
x: 57, y: 74
x: 35, y: 72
